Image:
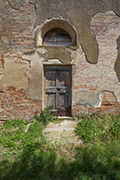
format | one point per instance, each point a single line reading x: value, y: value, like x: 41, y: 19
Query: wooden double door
x: 57, y: 80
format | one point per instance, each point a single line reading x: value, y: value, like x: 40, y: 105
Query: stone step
x: 62, y: 132
x: 65, y: 118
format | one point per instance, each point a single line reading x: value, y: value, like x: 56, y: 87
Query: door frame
x: 53, y: 66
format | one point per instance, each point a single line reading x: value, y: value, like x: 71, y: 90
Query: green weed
x: 45, y: 116
x: 98, y: 128
x: 28, y: 155
x: 12, y: 132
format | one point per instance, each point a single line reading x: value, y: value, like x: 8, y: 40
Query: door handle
x: 58, y: 89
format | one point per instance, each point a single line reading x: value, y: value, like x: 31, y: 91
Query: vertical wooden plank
x: 61, y: 99
x: 57, y: 99
x: 50, y: 100
x: 50, y: 78
x: 64, y: 78
x: 68, y: 78
x: 67, y: 99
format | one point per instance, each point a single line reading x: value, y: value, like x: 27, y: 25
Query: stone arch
x: 56, y: 23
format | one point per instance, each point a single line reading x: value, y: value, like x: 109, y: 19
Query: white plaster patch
x: 42, y: 50
x: 52, y: 61
x: 99, y: 103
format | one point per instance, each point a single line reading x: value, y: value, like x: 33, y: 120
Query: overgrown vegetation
x: 45, y: 116
x: 27, y: 155
x: 101, y: 150
x: 98, y: 127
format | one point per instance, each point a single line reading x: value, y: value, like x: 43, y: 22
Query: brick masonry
x: 17, y: 35
x: 15, y: 105
x: 92, y: 77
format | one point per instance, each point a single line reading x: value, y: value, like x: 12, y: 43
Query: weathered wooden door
x: 58, y: 89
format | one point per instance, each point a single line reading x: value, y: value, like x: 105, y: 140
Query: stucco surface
x: 96, y: 24
x: 36, y: 60
x: 89, y: 80
x: 86, y: 98
x: 17, y: 76
x: 93, y: 98
x: 34, y: 90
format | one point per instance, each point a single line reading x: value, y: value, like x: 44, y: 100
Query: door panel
x: 50, y: 78
x: 50, y: 100
x: 58, y: 87
x: 67, y: 100
x: 61, y: 99
x: 64, y: 99
x: 64, y: 78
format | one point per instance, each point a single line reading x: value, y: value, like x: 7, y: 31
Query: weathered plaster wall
x: 34, y: 90
x: 36, y: 60
x: 97, y: 24
x: 90, y: 80
x: 15, y: 74
x: 78, y: 13
x: 16, y: 37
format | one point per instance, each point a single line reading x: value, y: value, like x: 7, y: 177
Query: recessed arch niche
x: 57, y: 36
x: 60, y: 27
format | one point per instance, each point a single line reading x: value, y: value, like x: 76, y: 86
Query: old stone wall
x: 16, y: 37
x: 94, y: 86
x: 92, y: 80
x: 14, y: 104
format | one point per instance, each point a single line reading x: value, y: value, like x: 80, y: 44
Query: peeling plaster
x: 34, y: 90
x: 93, y: 99
x: 36, y: 59
x: 16, y: 77
x: 79, y: 14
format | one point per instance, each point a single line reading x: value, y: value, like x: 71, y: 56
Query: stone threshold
x: 65, y: 117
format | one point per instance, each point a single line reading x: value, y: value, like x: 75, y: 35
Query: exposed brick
x: 17, y: 30
x: 17, y: 106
